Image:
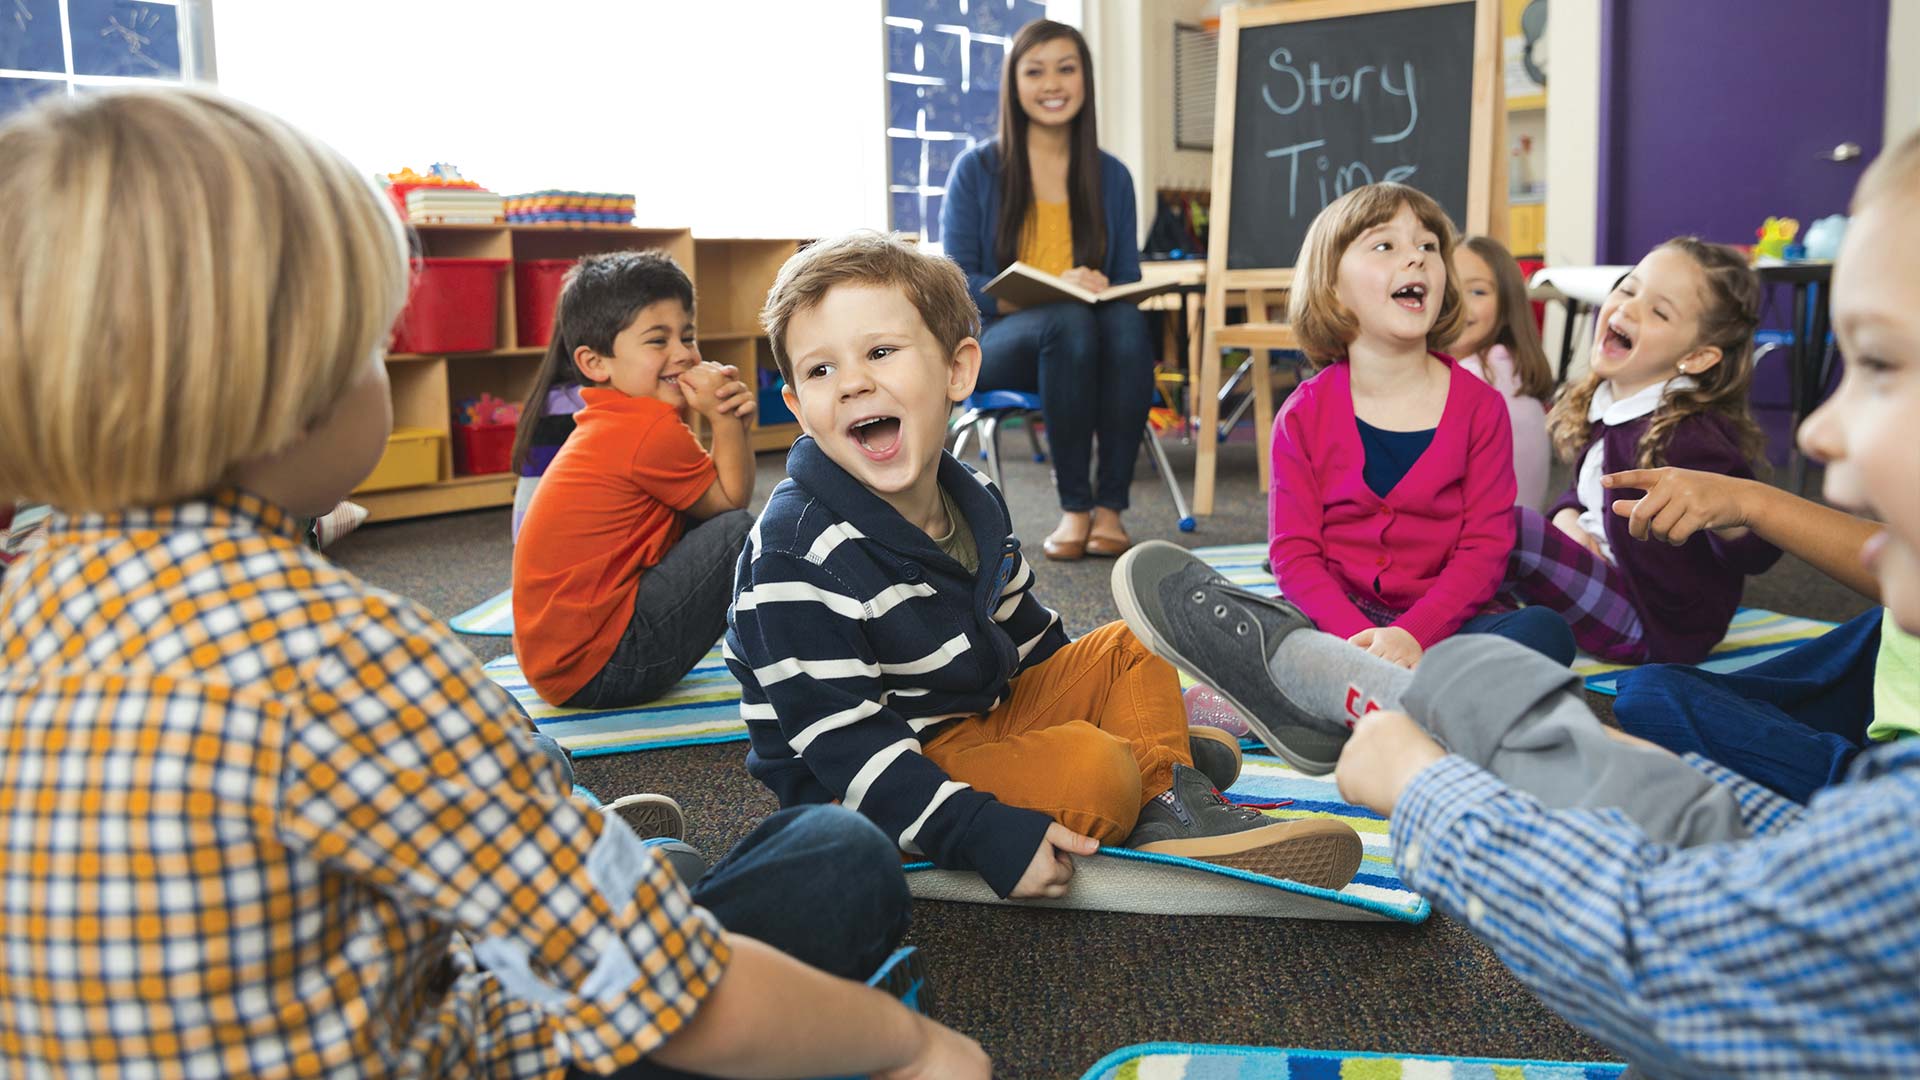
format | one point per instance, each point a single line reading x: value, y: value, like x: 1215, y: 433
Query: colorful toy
x: 1775, y: 234
x: 1823, y: 236
x: 486, y: 410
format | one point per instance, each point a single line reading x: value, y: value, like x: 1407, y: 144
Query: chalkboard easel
x: 1315, y: 98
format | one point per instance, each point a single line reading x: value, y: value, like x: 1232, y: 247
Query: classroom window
x: 944, y: 60
x: 77, y: 46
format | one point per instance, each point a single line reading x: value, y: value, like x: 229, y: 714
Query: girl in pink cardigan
x: 1393, y: 486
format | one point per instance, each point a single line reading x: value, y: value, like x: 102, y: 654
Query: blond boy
x: 264, y: 820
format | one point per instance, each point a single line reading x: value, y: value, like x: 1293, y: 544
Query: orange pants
x: 1086, y: 738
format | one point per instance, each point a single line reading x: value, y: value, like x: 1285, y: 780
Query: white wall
x: 768, y: 121
x: 1903, y: 75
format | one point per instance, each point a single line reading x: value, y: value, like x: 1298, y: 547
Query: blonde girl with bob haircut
x: 1499, y: 342
x: 1392, y: 507
x: 299, y: 783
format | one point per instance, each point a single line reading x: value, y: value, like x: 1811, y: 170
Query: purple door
x: 1716, y: 114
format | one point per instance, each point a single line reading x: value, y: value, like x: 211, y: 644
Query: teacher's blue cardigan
x: 971, y: 212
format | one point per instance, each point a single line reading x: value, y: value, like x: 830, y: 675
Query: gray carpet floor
x: 1048, y: 993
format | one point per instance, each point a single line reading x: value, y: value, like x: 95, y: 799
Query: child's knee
x: 1102, y: 783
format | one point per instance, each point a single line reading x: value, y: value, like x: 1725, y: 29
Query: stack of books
x: 570, y: 208
x: 454, y: 206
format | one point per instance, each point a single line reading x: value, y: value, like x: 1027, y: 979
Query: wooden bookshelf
x: 731, y: 279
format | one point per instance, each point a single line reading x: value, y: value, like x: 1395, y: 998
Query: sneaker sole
x: 1136, y: 621
x: 650, y: 816
x: 1215, y: 735
x: 1315, y: 851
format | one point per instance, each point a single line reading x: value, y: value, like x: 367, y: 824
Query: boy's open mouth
x: 879, y: 436
x: 1413, y: 297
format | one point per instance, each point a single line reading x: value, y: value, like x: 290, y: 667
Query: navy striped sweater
x: 854, y: 638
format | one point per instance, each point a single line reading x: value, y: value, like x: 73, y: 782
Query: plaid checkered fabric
x: 1795, y: 953
x: 1551, y: 568
x: 264, y: 820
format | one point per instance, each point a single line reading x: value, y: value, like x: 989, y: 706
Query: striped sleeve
x: 799, y: 645
x: 1035, y: 628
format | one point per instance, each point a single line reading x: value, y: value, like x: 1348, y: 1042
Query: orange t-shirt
x: 607, y: 508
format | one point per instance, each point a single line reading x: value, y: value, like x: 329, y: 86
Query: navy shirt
x: 1389, y: 454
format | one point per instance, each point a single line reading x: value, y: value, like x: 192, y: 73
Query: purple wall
x: 1712, y: 113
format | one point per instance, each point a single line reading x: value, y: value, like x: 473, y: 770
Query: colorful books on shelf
x: 454, y: 206
x: 1028, y: 286
x: 570, y: 208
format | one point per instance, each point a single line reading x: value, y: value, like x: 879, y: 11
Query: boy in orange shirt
x: 623, y: 570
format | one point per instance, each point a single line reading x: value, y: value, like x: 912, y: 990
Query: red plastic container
x: 479, y: 449
x: 536, y: 294
x: 454, y: 307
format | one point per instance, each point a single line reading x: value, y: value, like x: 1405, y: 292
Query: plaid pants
x: 1549, y: 567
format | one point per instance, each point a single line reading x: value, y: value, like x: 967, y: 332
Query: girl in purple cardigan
x: 1393, y: 488
x: 1672, y: 359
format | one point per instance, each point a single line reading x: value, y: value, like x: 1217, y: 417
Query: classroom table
x: 1810, y: 361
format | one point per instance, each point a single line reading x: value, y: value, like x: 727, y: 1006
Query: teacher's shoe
x: 1225, y: 637
x: 1064, y: 550
x: 1192, y: 820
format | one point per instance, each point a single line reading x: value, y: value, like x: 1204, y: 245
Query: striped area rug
x: 1265, y: 779
x: 493, y: 618
x: 703, y: 708
x: 1187, y: 1061
x: 1756, y: 634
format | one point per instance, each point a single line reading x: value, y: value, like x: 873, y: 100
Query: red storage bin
x: 479, y: 449
x: 536, y: 295
x: 454, y: 307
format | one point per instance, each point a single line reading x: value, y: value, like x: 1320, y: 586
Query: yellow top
x: 1047, y: 241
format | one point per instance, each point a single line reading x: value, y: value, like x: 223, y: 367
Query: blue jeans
x: 1093, y: 368
x: 1793, y: 723
x: 820, y: 883
x: 1538, y: 628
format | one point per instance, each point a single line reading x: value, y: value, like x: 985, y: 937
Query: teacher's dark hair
x: 1083, y: 170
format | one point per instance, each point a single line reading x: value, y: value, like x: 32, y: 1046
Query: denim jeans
x: 678, y: 614
x: 820, y: 883
x: 1093, y: 367
x: 1538, y: 628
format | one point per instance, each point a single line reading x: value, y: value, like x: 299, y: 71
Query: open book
x: 1028, y: 287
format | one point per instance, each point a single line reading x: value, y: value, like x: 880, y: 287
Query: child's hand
x: 1679, y: 503
x: 1384, y: 753
x: 735, y: 400
x: 1389, y: 643
x: 1052, y: 866
x: 1086, y: 277
x: 1568, y: 521
x: 943, y: 1053
x: 703, y: 385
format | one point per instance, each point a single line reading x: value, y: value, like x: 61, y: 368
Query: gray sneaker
x: 1215, y: 753
x: 1224, y: 636
x: 1194, y: 821
x: 649, y: 815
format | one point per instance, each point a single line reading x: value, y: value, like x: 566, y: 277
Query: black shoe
x: 1224, y: 636
x: 1194, y: 821
x: 1215, y: 753
x: 685, y: 859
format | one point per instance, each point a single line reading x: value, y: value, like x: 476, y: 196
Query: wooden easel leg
x: 1263, y: 418
x: 1206, y: 384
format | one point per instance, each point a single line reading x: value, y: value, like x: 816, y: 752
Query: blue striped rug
x: 703, y: 708
x: 492, y: 618
x: 1265, y: 779
x: 1756, y: 634
x: 1189, y: 1061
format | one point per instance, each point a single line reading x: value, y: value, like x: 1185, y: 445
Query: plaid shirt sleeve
x: 1763, y: 810
x: 408, y: 778
x: 1795, y: 954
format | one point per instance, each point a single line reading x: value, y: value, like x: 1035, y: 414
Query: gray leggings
x: 677, y: 616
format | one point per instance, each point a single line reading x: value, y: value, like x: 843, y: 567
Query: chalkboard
x: 1324, y: 105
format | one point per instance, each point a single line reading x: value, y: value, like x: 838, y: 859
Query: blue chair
x: 980, y: 417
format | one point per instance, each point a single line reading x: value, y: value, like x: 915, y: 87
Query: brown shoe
x: 1064, y: 550
x: 1108, y: 547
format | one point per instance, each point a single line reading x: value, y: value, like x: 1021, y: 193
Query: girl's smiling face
x: 1649, y: 327
x: 1866, y: 432
x: 1479, y: 299
x: 1394, y: 281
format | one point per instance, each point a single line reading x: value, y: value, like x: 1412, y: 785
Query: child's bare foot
x: 1068, y: 540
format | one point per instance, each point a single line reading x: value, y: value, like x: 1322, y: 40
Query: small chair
x: 980, y: 417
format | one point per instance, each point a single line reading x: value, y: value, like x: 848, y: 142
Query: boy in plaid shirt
x: 263, y: 819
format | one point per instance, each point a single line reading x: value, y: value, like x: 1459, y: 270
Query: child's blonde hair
x: 934, y: 285
x: 191, y: 284
x: 1895, y: 172
x: 1513, y: 321
x: 1727, y: 322
x: 1324, y: 327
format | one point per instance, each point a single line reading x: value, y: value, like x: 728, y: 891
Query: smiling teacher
x: 1045, y: 194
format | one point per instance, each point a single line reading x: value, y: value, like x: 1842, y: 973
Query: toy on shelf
x: 483, y: 430
x: 1824, y: 235
x: 570, y: 208
x: 443, y: 197
x: 1774, y: 235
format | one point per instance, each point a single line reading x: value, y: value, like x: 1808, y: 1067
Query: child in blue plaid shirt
x: 265, y: 820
